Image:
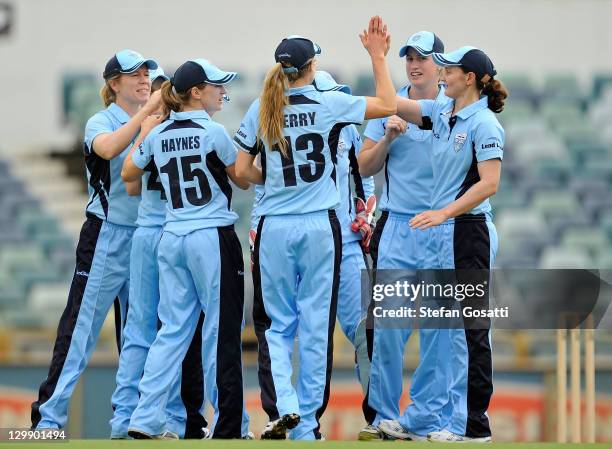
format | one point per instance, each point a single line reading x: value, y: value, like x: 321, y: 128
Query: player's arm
x: 247, y: 169
x: 110, y: 145
x: 131, y: 172
x: 373, y: 154
x: 240, y: 183
x: 410, y: 110
x: 377, y: 41
x: 489, y: 172
x: 133, y: 188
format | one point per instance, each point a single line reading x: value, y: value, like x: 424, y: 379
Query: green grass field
x: 107, y: 444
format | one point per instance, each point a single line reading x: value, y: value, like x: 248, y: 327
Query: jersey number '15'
x: 189, y: 174
x: 303, y: 143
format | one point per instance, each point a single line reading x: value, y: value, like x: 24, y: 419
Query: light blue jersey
x: 459, y: 143
x: 108, y: 199
x: 306, y: 180
x: 152, y: 209
x: 349, y: 146
x: 408, y: 171
x: 348, y: 149
x: 259, y: 191
x: 191, y: 153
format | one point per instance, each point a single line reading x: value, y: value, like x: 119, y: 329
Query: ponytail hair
x: 107, y: 93
x: 169, y: 98
x: 496, y: 94
x: 173, y: 100
x: 272, y: 103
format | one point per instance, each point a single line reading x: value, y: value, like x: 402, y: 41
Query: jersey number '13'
x: 303, y: 143
x: 189, y: 174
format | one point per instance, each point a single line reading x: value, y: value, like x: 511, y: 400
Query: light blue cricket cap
x: 198, y: 71
x: 324, y: 82
x: 126, y: 61
x: 470, y: 58
x: 424, y: 42
x: 158, y: 73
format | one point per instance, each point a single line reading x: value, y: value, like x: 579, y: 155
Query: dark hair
x: 494, y: 89
x: 496, y: 93
x: 157, y: 84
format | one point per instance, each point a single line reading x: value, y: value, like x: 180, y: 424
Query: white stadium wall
x: 52, y: 37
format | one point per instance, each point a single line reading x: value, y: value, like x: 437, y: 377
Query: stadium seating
x: 30, y: 242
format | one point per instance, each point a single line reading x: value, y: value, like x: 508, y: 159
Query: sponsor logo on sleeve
x: 488, y: 146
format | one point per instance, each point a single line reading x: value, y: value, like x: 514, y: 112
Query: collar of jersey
x: 300, y: 90
x: 187, y: 115
x: 472, y: 109
x: 468, y: 111
x: 118, y: 113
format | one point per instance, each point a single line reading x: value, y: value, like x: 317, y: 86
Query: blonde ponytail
x: 273, y: 101
x: 107, y: 93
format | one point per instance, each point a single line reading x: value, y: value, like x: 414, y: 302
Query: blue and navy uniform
x: 101, y: 276
x: 350, y: 316
x: 298, y: 250
x: 409, y: 182
x: 187, y: 394
x: 200, y: 270
x: 468, y: 241
x: 353, y: 260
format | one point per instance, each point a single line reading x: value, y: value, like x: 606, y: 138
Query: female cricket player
x: 103, y: 251
x: 296, y: 130
x: 187, y: 394
x: 199, y: 255
x: 404, y: 151
x: 466, y: 158
x: 349, y: 310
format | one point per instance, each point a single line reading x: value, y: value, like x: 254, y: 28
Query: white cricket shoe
x: 393, y: 429
x: 446, y: 436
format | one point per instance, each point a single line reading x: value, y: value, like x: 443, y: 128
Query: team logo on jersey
x: 459, y: 141
x: 341, y: 146
x: 140, y: 149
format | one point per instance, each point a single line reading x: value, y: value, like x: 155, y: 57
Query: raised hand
x: 149, y: 123
x: 376, y: 39
x: 153, y: 103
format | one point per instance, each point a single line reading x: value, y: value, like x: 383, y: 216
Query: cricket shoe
x: 370, y: 433
x: 394, y: 430
x: 277, y: 429
x: 141, y: 435
x: 446, y: 436
x: 249, y: 436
